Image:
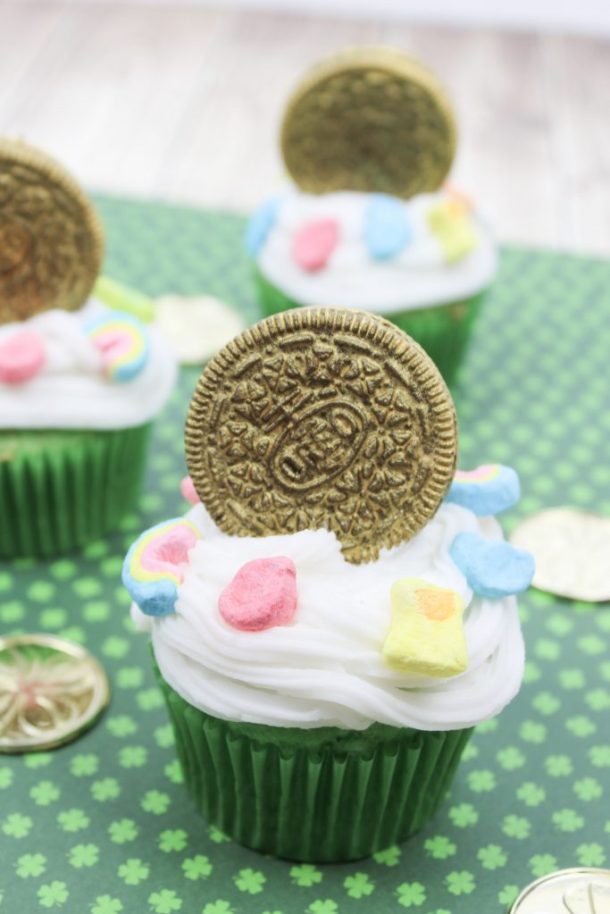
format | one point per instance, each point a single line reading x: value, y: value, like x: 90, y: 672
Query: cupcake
x: 336, y: 611
x: 368, y: 138
x: 79, y: 383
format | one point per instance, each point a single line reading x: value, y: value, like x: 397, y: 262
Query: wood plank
x: 575, y: 76
x: 503, y: 156
x: 576, y: 16
x: 25, y: 28
x: 106, y: 94
x: 226, y: 152
x: 184, y: 103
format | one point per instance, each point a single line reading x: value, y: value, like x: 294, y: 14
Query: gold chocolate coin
x: 51, y: 240
x: 51, y: 692
x: 197, y: 326
x: 573, y: 891
x: 571, y: 550
x: 322, y: 418
x: 369, y: 119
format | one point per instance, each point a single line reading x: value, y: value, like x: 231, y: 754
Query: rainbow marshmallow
x: 123, y: 343
x: 450, y: 223
x: 489, y: 489
x: 153, y: 567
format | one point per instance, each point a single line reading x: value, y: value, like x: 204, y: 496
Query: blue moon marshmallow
x: 492, y: 568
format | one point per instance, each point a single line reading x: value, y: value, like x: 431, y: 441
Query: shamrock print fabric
x: 104, y: 826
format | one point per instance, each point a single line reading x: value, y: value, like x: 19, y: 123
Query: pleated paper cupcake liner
x: 341, y: 795
x: 442, y: 330
x: 60, y: 490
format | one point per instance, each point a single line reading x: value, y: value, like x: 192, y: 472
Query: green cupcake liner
x: 60, y: 490
x: 443, y: 330
x: 324, y: 795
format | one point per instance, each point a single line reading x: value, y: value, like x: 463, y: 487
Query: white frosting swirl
x: 416, y: 278
x: 326, y: 668
x: 71, y: 390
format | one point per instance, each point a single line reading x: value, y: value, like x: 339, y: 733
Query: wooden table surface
x: 181, y: 103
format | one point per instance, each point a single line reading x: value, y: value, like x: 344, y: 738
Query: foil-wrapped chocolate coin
x: 51, y: 240
x: 51, y: 691
x: 322, y: 418
x: 369, y: 119
x: 571, y: 549
x: 197, y: 327
x: 573, y: 891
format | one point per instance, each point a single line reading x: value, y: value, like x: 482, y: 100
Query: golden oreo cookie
x: 322, y: 418
x: 369, y: 119
x: 51, y: 240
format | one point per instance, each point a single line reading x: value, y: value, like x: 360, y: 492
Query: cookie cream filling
x: 71, y: 390
x: 326, y: 667
x: 417, y: 276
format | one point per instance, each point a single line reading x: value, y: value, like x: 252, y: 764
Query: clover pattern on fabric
x: 133, y: 871
x: 104, y: 826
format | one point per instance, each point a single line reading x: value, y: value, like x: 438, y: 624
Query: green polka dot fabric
x: 103, y: 826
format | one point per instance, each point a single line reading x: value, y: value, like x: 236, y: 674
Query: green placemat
x: 103, y: 826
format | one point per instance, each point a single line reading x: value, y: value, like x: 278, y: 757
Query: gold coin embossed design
x: 572, y: 891
x: 51, y: 691
x: 51, y: 241
x: 322, y: 418
x: 571, y: 549
x: 369, y: 119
